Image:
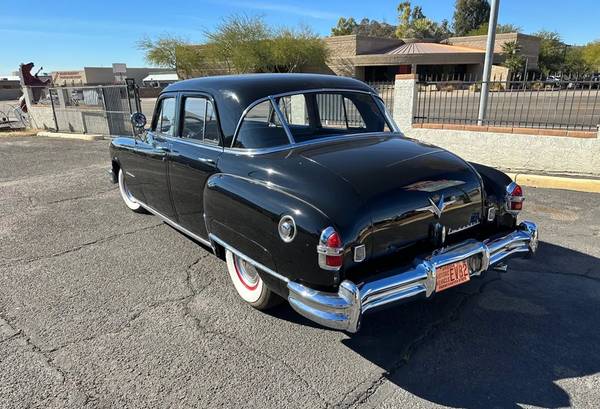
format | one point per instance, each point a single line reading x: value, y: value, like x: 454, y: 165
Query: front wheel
x: 248, y: 283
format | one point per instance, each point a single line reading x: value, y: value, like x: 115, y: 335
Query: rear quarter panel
x: 245, y: 214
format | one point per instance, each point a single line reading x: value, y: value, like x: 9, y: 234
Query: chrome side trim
x: 248, y: 259
x: 175, y: 225
x: 343, y: 310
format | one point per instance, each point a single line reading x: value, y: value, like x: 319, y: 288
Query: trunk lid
x: 409, y: 189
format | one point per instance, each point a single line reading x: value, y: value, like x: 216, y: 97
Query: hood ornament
x: 437, y: 208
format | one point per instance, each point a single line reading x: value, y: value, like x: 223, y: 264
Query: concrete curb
x: 557, y: 182
x: 81, y: 136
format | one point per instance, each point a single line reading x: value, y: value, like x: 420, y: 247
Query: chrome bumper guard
x: 343, y: 310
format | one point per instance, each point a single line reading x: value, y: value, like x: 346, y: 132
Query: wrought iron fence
x: 335, y: 112
x: 555, y: 102
x: 386, y: 92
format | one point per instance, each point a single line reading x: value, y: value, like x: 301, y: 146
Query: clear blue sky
x: 61, y: 34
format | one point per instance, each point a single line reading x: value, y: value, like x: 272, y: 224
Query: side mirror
x: 138, y: 120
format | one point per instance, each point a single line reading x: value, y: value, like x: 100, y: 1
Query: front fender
x: 245, y: 213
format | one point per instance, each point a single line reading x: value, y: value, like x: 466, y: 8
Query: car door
x: 153, y: 152
x: 195, y: 151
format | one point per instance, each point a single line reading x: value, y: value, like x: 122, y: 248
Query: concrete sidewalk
x: 557, y: 182
x: 65, y: 135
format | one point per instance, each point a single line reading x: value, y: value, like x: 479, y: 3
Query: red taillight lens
x: 517, y: 191
x: 333, y: 261
x: 514, y: 198
x: 334, y: 240
x: 330, y: 250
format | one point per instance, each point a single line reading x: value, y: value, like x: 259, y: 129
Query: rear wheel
x: 126, y: 195
x: 248, y: 283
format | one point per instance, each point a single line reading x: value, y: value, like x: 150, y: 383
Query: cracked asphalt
x: 101, y: 307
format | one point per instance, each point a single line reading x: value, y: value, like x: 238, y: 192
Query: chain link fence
x: 101, y: 109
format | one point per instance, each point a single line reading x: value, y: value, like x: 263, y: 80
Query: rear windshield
x: 311, y: 116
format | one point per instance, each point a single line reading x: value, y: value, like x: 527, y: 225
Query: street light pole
x: 489, y: 60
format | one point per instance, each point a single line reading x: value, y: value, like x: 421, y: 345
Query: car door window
x: 261, y: 128
x: 194, y: 112
x: 165, y: 123
x: 199, y: 120
x: 211, y: 130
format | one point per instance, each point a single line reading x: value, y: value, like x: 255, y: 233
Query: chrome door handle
x: 207, y: 161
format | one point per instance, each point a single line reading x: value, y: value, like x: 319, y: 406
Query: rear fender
x: 495, y: 183
x: 245, y: 213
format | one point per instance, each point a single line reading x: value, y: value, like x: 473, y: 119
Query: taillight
x: 330, y: 250
x: 514, y: 198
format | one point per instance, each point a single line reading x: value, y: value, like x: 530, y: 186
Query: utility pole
x: 489, y: 60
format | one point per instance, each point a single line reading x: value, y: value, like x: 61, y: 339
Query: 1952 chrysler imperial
x: 304, y: 185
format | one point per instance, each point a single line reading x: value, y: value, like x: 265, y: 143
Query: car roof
x: 234, y: 93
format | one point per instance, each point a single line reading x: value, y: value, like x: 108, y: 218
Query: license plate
x: 450, y: 275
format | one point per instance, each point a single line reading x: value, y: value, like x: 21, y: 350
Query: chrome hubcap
x: 247, y: 273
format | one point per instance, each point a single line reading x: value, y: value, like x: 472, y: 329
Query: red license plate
x: 450, y: 275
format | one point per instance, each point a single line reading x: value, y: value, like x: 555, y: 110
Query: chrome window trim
x: 159, y: 108
x: 283, y: 121
x: 374, y: 95
x: 182, y: 95
x: 196, y: 142
x: 391, y: 123
x: 262, y: 151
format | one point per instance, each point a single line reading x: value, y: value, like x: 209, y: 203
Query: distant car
x: 554, y: 81
x: 305, y: 186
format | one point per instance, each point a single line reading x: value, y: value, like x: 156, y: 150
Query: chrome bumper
x: 343, y: 310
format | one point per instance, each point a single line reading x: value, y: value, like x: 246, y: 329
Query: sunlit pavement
x: 102, y: 307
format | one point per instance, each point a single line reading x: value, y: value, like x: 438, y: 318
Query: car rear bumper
x: 343, y: 310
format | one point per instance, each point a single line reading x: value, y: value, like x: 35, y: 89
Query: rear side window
x: 199, y: 120
x: 261, y: 128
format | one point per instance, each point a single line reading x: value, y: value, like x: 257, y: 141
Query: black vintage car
x: 304, y: 185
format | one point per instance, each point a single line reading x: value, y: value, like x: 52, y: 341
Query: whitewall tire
x: 248, y: 283
x: 126, y: 195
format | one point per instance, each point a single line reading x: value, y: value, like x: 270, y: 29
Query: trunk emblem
x: 437, y: 208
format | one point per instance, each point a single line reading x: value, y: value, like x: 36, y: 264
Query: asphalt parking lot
x: 102, y: 307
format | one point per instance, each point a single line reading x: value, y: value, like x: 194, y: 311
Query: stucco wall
x: 41, y: 117
x: 520, y: 153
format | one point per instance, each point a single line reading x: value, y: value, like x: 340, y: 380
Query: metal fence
x: 386, y: 92
x: 100, y: 109
x: 12, y: 117
x: 554, y: 103
x: 334, y: 111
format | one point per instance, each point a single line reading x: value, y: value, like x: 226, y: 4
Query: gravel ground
x: 101, y: 307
